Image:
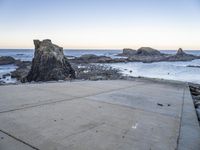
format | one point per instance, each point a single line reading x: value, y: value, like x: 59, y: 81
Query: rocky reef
x: 147, y: 55
x: 6, y: 60
x: 91, y: 58
x: 49, y: 63
x: 182, y: 56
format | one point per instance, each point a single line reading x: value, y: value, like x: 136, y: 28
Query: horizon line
x: 96, y: 49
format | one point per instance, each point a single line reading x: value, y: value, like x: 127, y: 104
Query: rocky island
x: 6, y: 60
x: 148, y: 55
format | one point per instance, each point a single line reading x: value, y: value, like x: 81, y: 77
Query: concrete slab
x: 147, y: 97
x: 61, y: 123
x: 20, y: 96
x: 9, y: 143
x: 103, y: 115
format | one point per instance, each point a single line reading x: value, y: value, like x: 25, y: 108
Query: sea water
x: 163, y: 70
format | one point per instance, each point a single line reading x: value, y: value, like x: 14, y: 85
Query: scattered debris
x: 160, y: 104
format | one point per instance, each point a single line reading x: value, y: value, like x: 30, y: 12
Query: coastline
x: 126, y: 78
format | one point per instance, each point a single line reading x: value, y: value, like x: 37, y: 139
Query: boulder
x: 22, y: 70
x: 147, y: 51
x: 6, y: 75
x: 6, y: 60
x: 128, y: 52
x: 49, y: 63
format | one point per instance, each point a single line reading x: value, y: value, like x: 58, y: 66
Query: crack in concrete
x: 8, y: 134
x: 63, y: 100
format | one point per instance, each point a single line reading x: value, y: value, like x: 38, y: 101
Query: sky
x: 101, y: 24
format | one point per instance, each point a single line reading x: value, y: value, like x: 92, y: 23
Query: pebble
x: 160, y: 104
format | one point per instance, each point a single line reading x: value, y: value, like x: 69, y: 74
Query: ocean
x: 163, y: 70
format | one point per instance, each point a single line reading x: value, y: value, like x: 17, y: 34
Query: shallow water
x: 163, y: 70
x: 4, y: 69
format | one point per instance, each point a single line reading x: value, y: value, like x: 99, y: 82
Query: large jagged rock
x: 180, y: 52
x: 49, y: 63
x: 182, y: 56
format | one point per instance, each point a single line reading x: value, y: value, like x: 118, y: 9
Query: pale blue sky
x: 163, y: 24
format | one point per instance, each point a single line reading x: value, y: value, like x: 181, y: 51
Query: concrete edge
x: 137, y: 79
x: 189, y: 138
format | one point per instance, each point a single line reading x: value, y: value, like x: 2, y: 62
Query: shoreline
x: 94, y: 72
x: 126, y: 78
x: 102, y: 67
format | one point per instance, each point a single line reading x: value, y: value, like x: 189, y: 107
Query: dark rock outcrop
x: 147, y: 55
x: 127, y: 52
x: 182, y: 56
x: 143, y: 51
x: 147, y: 51
x: 22, y: 71
x: 90, y: 58
x: 6, y: 60
x: 49, y: 63
x: 180, y: 52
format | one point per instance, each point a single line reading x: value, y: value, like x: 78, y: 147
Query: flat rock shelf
x: 102, y: 115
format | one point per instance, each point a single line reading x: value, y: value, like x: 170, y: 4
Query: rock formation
x: 147, y: 55
x: 143, y: 51
x: 49, y: 63
x: 91, y: 58
x: 182, y: 56
x: 147, y: 51
x: 128, y: 52
x: 5, y: 60
x: 180, y: 52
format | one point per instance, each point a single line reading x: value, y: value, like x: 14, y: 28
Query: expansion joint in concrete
x: 8, y: 134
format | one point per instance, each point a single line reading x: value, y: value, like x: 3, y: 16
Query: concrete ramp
x: 100, y: 115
